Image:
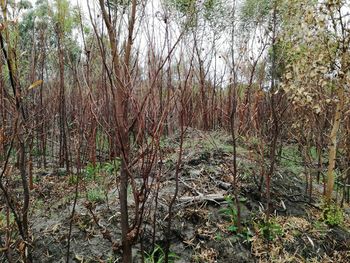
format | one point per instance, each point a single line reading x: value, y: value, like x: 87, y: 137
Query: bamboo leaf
x: 35, y: 84
x: 310, y: 240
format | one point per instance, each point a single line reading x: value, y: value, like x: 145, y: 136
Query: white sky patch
x: 150, y: 35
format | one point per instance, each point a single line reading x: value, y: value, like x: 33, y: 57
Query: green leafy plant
x: 91, y: 171
x: 218, y: 237
x: 291, y: 159
x: 158, y: 255
x: 246, y: 234
x: 61, y: 172
x: 111, y: 167
x: 38, y: 204
x: 231, y: 212
x: 72, y: 179
x: 95, y: 195
x: 333, y: 215
x: 36, y: 152
x: 270, y: 230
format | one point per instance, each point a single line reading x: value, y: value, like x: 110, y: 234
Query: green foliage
x: 246, y: 234
x: 111, y: 167
x: 3, y: 220
x: 73, y: 50
x: 19, y: 5
x: 93, y: 171
x: 95, y: 195
x: 36, y: 152
x: 37, y: 179
x: 39, y: 204
x: 158, y: 255
x: 218, y: 237
x: 277, y: 52
x: 198, y: 13
x: 321, y: 228
x: 213, y: 10
x: 112, y: 259
x: 184, y: 6
x: 72, y: 179
x: 43, y: 11
x: 333, y: 215
x: 291, y: 159
x: 231, y: 212
x: 118, y: 4
x: 270, y: 230
x: 254, y: 11
x: 24, y: 4
x: 102, y: 139
x: 61, y: 172
x: 65, y: 15
x: 215, y: 141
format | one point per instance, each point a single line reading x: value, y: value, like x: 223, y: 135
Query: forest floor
x: 203, y: 228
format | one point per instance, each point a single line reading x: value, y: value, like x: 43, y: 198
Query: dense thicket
x: 108, y: 80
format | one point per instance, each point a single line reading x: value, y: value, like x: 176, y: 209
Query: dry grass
x: 284, y: 248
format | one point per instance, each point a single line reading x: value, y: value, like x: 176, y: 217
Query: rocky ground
x: 204, y: 214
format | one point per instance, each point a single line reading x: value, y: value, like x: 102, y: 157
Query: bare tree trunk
x: 233, y: 93
x: 63, y: 151
x: 122, y: 77
x: 172, y: 202
x: 42, y: 133
x: 275, y: 120
x: 22, y: 222
x: 2, y: 115
x: 333, y: 144
x: 203, y: 90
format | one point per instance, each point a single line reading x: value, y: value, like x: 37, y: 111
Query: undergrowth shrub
x: 92, y: 172
x: 270, y: 230
x: 333, y: 215
x: 95, y: 195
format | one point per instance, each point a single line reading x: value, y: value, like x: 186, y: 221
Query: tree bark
x: 333, y: 145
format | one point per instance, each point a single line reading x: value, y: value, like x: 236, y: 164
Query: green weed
x: 230, y: 210
x: 72, y: 179
x: 3, y: 220
x: 333, y: 215
x: 291, y: 159
x: 218, y: 237
x: 95, y: 195
x: 61, y: 172
x: 93, y: 172
x: 36, y: 152
x: 270, y: 230
x: 158, y: 256
x: 39, y: 204
x: 111, y: 167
